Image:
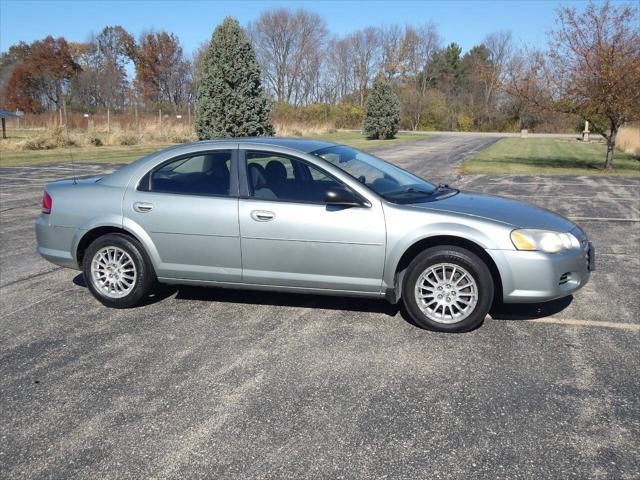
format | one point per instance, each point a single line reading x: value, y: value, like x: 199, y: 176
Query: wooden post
x: 4, y: 128
x: 108, y: 122
x: 189, y: 113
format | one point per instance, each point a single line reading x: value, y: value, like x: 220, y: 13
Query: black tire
x: 456, y: 256
x: 145, y: 275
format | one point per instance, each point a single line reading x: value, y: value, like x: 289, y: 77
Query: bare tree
x: 492, y: 72
x: 339, y: 66
x: 419, y: 44
x: 365, y: 50
x: 285, y: 42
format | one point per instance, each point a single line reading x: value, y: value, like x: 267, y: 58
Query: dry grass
x: 628, y: 140
x: 294, y: 129
x: 148, y: 133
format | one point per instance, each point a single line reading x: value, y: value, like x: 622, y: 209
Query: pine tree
x: 382, y: 111
x: 230, y: 100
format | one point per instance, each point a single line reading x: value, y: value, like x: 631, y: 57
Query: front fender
x: 487, y: 238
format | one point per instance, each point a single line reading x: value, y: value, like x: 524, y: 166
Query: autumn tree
x: 230, y: 100
x: 103, y: 79
x: 591, y: 69
x: 41, y: 78
x: 162, y: 72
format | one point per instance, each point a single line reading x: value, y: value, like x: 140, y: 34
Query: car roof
x: 122, y: 175
x: 299, y: 144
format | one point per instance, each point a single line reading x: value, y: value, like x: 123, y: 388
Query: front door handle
x: 142, y: 207
x: 262, y: 215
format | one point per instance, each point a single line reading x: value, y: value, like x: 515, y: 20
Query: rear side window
x: 202, y: 174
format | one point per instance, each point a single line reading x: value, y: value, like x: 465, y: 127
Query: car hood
x: 513, y: 212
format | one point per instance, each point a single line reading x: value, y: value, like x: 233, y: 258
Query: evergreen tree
x: 382, y: 111
x: 230, y: 99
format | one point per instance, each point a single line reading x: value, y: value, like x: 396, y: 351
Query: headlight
x: 543, y: 240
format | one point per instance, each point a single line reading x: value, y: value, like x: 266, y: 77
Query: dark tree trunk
x: 611, y: 145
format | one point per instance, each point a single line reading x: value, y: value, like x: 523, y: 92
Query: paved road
x: 435, y: 158
x: 229, y: 384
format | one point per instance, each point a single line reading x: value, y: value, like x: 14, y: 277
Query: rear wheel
x: 117, y: 271
x: 448, y: 289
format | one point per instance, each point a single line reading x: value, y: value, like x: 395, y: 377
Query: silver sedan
x: 307, y: 217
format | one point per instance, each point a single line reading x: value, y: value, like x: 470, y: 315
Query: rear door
x: 188, y: 206
x: 290, y: 237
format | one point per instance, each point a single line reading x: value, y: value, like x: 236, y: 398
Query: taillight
x: 47, y: 203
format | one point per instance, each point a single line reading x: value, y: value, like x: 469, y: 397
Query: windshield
x: 385, y: 179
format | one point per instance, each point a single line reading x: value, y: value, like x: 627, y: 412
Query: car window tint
x: 275, y: 177
x: 203, y: 174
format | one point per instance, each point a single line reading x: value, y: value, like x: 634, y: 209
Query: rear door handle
x: 262, y: 215
x: 142, y: 207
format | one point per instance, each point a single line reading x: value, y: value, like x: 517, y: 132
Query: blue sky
x: 463, y: 21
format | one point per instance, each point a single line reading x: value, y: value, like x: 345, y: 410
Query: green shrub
x: 382, y: 111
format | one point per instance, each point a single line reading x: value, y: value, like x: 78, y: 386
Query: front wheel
x: 448, y: 289
x: 117, y: 271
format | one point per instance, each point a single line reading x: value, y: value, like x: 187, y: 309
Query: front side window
x: 385, y: 179
x: 276, y: 177
x: 202, y: 174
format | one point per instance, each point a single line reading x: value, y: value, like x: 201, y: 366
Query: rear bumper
x: 54, y: 243
x: 539, y: 277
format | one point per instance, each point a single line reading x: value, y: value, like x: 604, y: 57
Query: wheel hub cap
x: 113, y: 272
x: 446, y: 293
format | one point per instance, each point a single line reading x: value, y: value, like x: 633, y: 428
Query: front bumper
x: 539, y: 277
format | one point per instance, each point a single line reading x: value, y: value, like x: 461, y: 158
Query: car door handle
x: 142, y: 207
x: 262, y: 215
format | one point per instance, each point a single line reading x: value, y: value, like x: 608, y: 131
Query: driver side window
x: 272, y: 176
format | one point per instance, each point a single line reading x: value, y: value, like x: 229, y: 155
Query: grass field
x: 548, y: 156
x: 126, y: 154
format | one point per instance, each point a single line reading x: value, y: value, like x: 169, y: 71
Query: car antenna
x: 66, y: 127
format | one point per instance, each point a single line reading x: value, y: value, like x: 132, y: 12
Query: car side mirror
x: 342, y: 197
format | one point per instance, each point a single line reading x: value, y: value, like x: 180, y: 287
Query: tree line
x: 589, y: 71
x: 439, y: 86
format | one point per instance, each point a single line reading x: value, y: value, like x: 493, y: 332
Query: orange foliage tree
x: 41, y: 79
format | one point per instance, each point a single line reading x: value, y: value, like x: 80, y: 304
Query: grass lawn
x: 80, y: 155
x: 356, y: 140
x: 125, y: 154
x: 547, y: 156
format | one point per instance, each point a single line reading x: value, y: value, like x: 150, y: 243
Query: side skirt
x: 272, y: 288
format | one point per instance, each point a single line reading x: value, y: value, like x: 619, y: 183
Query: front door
x: 290, y: 237
x: 188, y: 206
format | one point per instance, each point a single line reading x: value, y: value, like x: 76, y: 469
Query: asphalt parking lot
x: 232, y: 384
